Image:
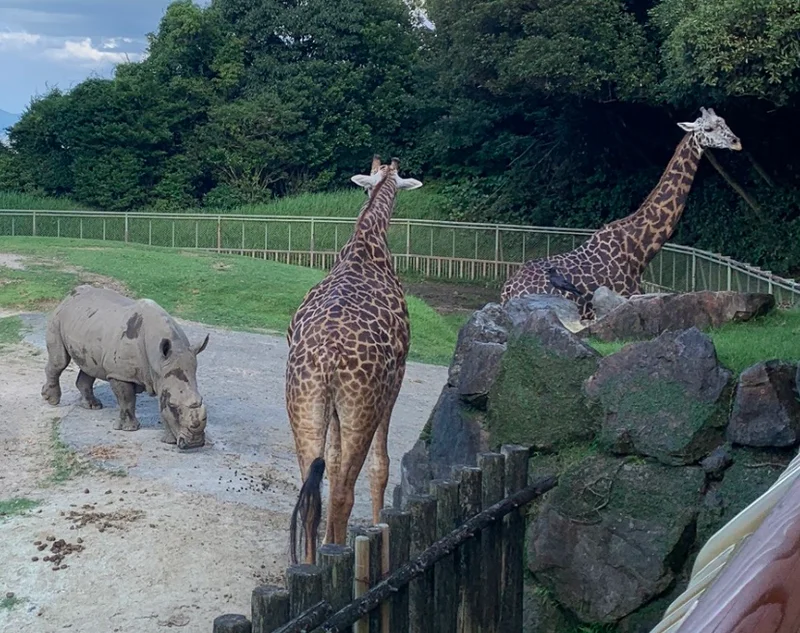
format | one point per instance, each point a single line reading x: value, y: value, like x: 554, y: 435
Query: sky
x: 46, y: 44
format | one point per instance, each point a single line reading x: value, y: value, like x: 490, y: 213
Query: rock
x: 545, y: 326
x: 665, y: 398
x: 717, y: 461
x: 753, y: 471
x: 519, y: 310
x: 415, y: 472
x: 766, y: 408
x: 456, y: 435
x: 488, y: 325
x: 479, y: 369
x: 540, y: 613
x: 612, y: 535
x: 537, y: 398
x: 605, y: 301
x: 644, y: 317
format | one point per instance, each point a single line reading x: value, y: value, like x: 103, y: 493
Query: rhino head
x: 182, y: 409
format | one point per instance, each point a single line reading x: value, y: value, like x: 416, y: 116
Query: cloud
x: 83, y: 52
x: 18, y: 39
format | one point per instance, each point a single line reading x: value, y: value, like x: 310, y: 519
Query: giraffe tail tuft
x: 308, y: 508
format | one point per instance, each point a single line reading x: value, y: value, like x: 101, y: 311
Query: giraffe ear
x: 408, y: 183
x: 688, y: 127
x: 363, y: 181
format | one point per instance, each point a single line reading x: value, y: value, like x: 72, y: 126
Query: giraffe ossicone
x: 616, y: 255
x: 348, y: 343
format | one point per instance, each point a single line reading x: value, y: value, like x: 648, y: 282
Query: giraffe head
x: 711, y: 131
x: 379, y: 172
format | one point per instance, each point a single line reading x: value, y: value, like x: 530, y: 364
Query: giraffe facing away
x: 348, y: 343
x: 616, y: 255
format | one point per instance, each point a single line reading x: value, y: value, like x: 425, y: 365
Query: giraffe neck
x: 369, y: 236
x: 656, y: 219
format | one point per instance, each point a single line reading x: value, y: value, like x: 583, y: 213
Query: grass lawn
x: 425, y: 203
x: 740, y: 345
x: 229, y: 291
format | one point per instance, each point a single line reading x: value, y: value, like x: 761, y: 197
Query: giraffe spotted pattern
x: 348, y: 343
x: 616, y: 255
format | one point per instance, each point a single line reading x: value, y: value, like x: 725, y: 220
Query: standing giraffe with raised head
x: 616, y: 255
x: 348, y: 343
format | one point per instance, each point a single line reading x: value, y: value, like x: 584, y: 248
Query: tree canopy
x: 539, y: 111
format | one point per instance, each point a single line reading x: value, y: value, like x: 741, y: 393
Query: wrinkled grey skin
x: 134, y: 345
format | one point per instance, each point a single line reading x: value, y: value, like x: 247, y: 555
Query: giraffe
x: 348, y: 343
x: 616, y: 255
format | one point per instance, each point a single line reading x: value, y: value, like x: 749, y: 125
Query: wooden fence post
x: 492, y: 466
x: 337, y: 563
x: 469, y: 566
x: 361, y: 583
x: 399, y: 523
x: 231, y: 623
x: 269, y: 607
x: 304, y: 583
x: 513, y: 541
x: 448, y: 514
x: 421, y: 590
x: 374, y: 535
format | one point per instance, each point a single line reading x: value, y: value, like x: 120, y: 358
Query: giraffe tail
x: 309, y: 503
x: 310, y: 500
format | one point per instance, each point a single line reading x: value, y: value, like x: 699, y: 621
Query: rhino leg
x: 57, y: 360
x: 85, y: 383
x: 126, y: 396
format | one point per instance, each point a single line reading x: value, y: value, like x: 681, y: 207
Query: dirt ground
x: 147, y: 538
x: 452, y: 298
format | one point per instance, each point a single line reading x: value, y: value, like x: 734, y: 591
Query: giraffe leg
x: 309, y: 418
x: 343, y: 490
x: 333, y: 459
x: 586, y: 307
x: 379, y: 471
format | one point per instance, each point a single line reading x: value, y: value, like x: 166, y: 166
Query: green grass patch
x: 8, y: 602
x: 11, y: 329
x: 17, y: 505
x: 741, y: 345
x: 32, y: 289
x: 65, y: 463
x: 16, y: 200
x: 229, y: 291
x: 425, y: 203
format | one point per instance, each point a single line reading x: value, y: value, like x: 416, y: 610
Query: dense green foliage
x: 555, y: 112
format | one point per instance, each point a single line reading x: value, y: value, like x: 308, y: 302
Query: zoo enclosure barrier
x: 450, y: 561
x: 462, y: 251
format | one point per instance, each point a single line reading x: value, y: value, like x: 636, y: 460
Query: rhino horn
x: 197, y: 349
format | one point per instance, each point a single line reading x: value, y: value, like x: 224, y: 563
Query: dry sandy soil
x: 177, y: 538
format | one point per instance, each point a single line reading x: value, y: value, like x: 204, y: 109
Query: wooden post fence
x: 449, y: 561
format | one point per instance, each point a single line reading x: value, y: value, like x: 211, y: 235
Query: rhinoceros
x: 136, y: 346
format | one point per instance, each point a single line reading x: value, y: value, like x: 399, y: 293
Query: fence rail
x: 398, y: 577
x: 464, y: 251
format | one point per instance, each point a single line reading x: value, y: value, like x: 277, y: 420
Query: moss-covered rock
x: 614, y: 533
x: 753, y: 471
x: 667, y: 398
x: 540, y: 612
x: 537, y: 399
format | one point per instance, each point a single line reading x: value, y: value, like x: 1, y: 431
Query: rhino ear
x: 202, y: 346
x: 165, y: 346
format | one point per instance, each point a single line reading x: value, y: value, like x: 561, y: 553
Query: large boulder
x: 537, y: 398
x: 766, y: 406
x: 613, y: 535
x: 647, y: 316
x: 665, y: 398
x: 488, y: 325
x: 456, y: 434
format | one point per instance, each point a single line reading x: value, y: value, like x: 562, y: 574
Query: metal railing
x: 465, y: 251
